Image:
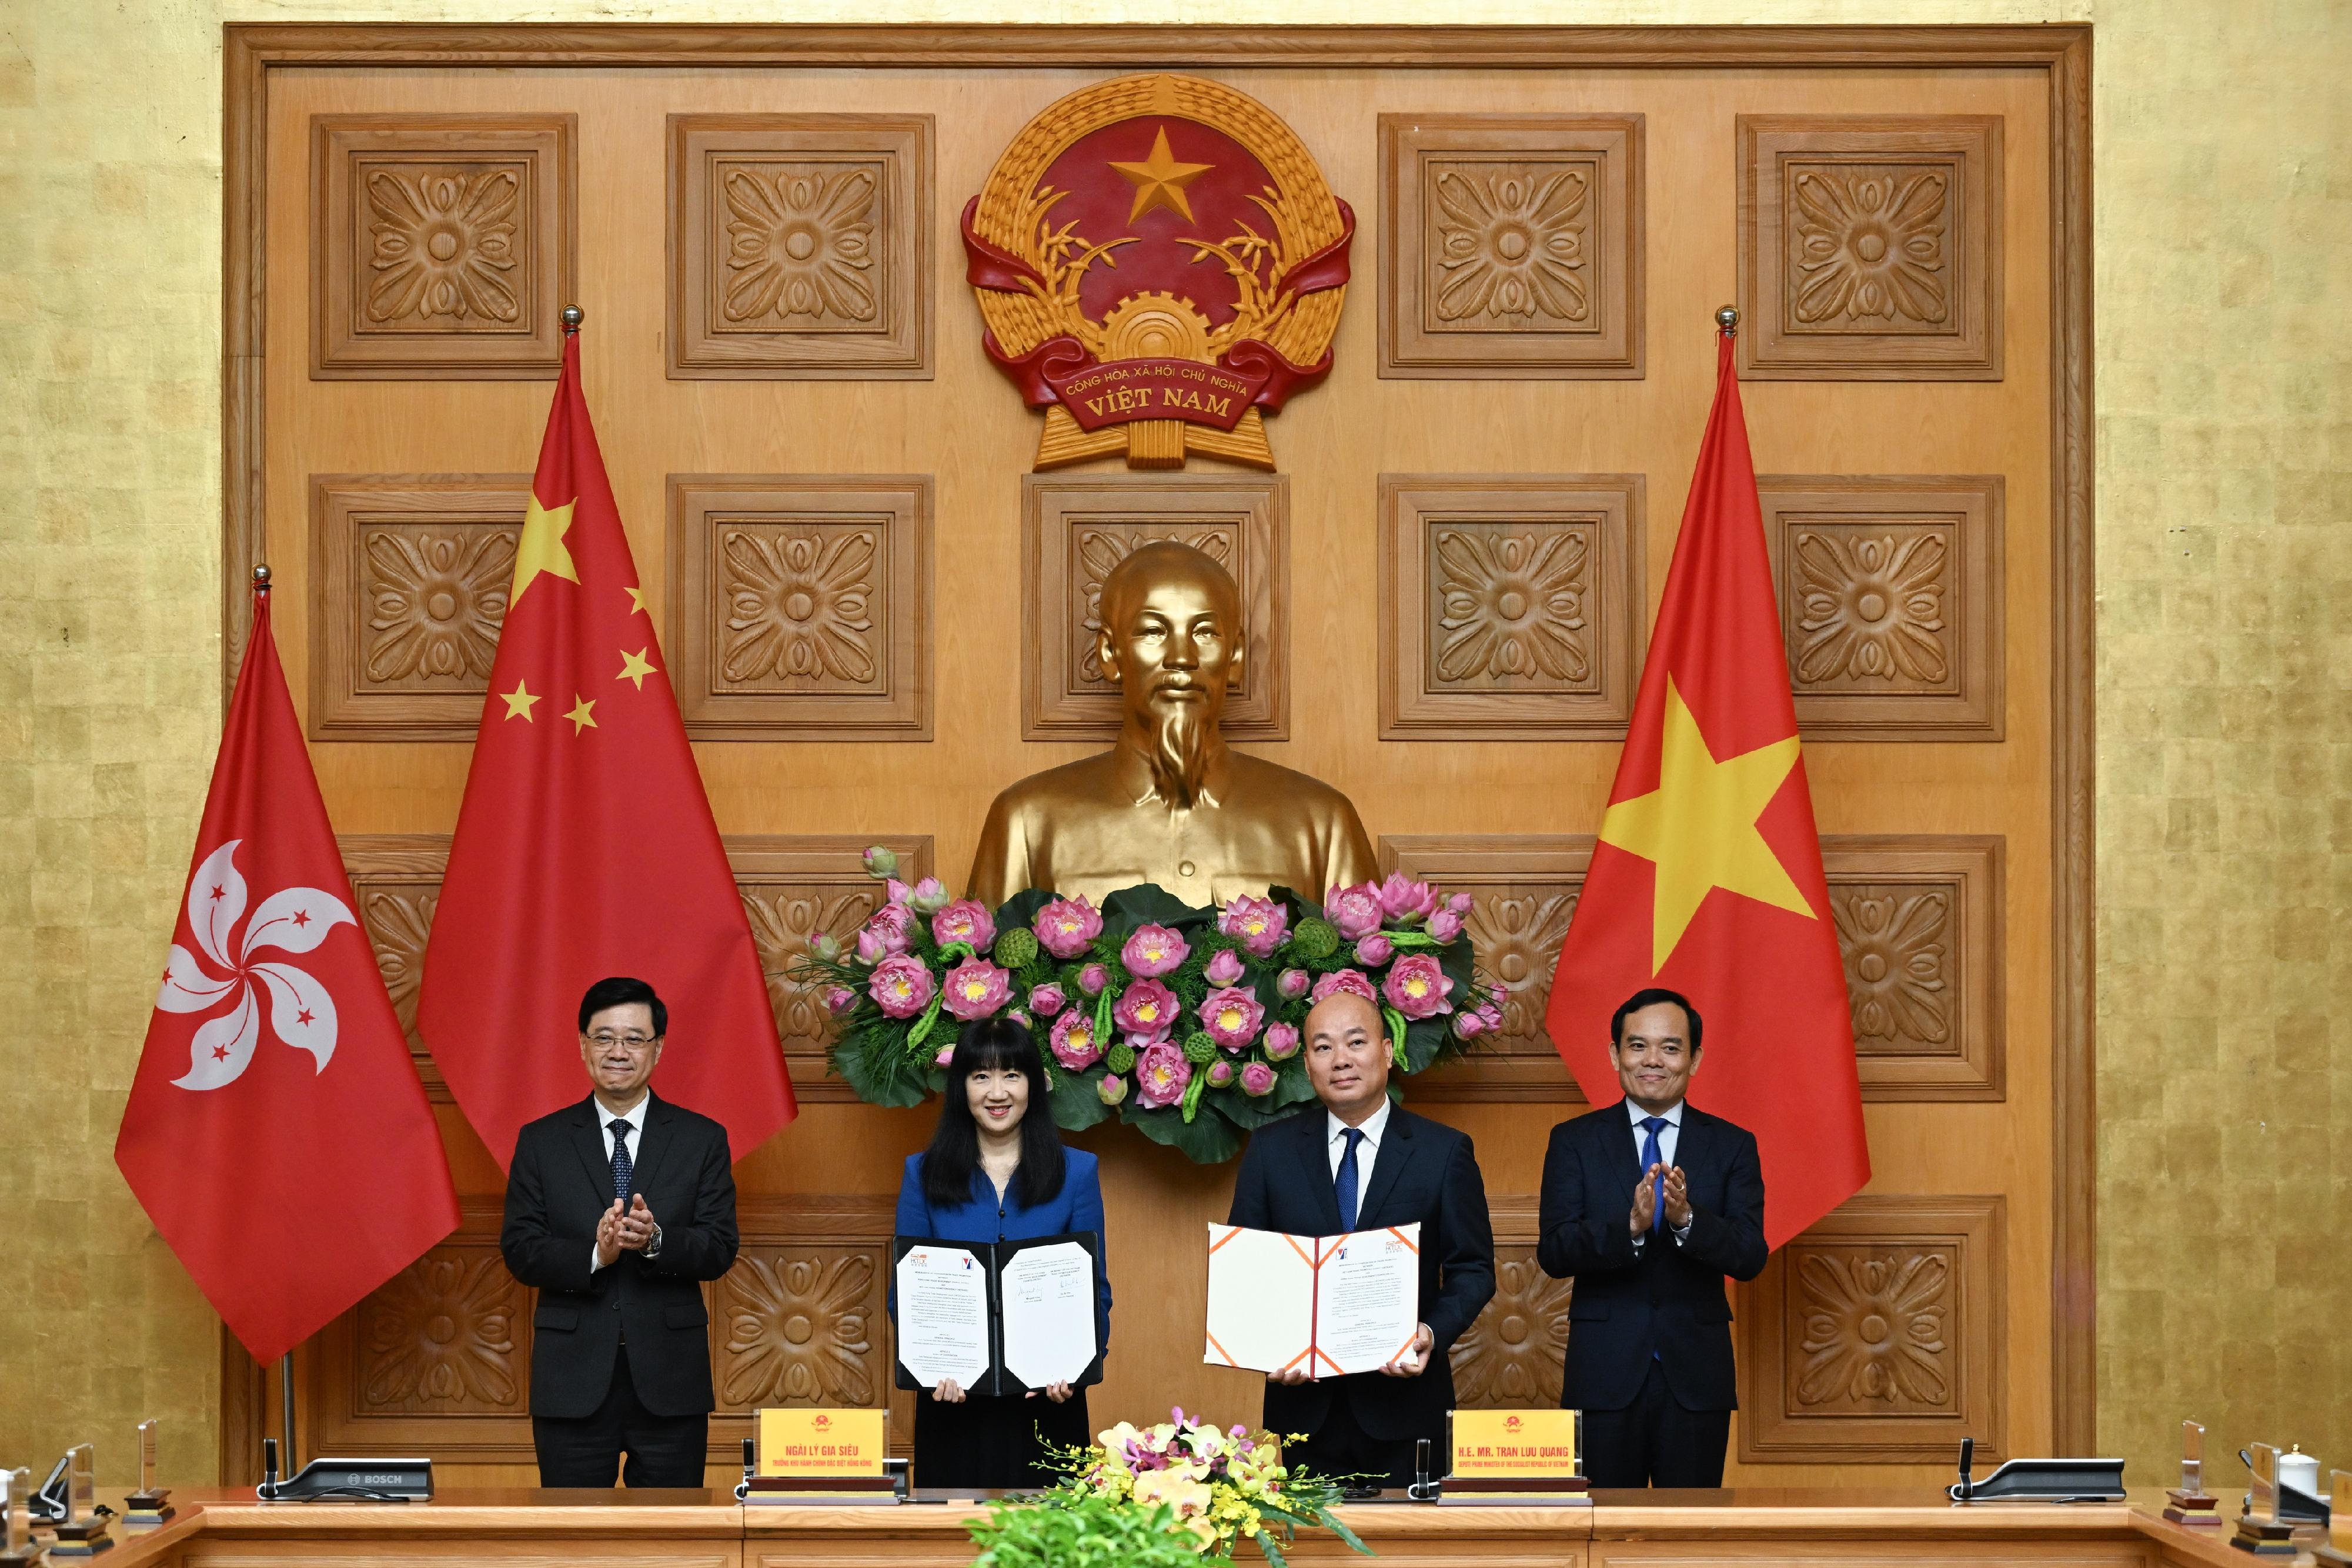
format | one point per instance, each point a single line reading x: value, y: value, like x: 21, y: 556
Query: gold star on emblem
x: 637, y: 598
x: 518, y: 701
x: 1159, y: 180
x: 581, y: 714
x: 542, y: 548
x: 633, y: 666
x: 1698, y: 827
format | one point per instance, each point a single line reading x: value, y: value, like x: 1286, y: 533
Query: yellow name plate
x: 1535, y: 1444
x: 802, y: 1442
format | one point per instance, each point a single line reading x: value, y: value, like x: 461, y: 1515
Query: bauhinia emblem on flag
x: 585, y: 846
x: 1707, y: 875
x: 277, y: 1131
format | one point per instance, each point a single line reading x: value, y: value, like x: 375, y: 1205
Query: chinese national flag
x: 1707, y: 875
x: 585, y: 847
x: 275, y: 1132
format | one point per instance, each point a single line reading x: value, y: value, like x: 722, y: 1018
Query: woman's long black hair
x: 952, y: 1162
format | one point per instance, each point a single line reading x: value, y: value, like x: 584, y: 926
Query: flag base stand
x: 87, y: 1539
x: 147, y: 1507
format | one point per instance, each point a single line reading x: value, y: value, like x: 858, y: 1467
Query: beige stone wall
x: 2225, y: 409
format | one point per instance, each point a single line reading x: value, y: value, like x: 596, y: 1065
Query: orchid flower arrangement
x: 1184, y: 1022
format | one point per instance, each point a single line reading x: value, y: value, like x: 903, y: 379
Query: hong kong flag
x: 585, y: 847
x: 1707, y: 876
x: 276, y: 1131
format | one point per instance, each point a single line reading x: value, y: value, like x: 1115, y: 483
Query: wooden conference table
x: 1783, y: 1528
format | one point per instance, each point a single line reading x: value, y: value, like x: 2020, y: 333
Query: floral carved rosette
x: 1183, y: 1022
x: 1161, y: 264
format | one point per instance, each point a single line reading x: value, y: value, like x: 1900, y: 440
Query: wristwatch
x: 653, y: 1248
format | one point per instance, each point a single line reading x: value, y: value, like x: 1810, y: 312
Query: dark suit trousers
x: 1654, y: 1441
x: 585, y: 1451
x: 1340, y: 1446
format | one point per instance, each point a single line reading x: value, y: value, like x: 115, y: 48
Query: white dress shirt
x: 635, y: 1117
x: 1372, y: 1127
x: 1669, y: 1139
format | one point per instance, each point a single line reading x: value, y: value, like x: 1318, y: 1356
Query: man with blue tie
x: 1647, y: 1205
x: 1357, y: 1163
x: 617, y: 1208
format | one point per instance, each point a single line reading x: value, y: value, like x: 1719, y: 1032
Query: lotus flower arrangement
x: 1183, y: 1022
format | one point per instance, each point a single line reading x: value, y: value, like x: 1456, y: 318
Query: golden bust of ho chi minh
x: 1169, y: 803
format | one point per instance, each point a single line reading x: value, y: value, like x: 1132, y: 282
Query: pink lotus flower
x: 1469, y: 1026
x: 880, y: 860
x: 1459, y: 906
x: 1445, y: 925
x: 895, y: 891
x: 888, y: 927
x: 1225, y: 968
x: 1231, y: 1016
x: 1162, y: 1075
x: 1111, y: 1090
x: 1221, y: 1072
x: 1139, y: 1043
x: 1491, y: 1014
x: 840, y: 1000
x: 899, y: 985
x: 946, y: 1054
x: 1340, y: 981
x: 929, y: 897
x: 966, y: 921
x: 976, y: 988
x: 1291, y: 983
x: 1153, y: 951
x: 1356, y: 910
x: 825, y: 948
x: 1146, y: 1007
x: 1047, y: 999
x: 1417, y: 987
x: 1281, y: 1042
x: 1257, y: 1078
x: 1072, y: 1041
x: 1066, y: 926
x: 1258, y: 924
x: 1373, y: 951
x: 1093, y: 978
x: 1405, y: 900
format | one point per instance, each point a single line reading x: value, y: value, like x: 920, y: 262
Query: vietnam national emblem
x: 1160, y: 265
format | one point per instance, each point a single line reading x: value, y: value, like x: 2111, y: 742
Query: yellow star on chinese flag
x: 637, y: 598
x: 542, y: 548
x: 633, y: 666
x: 1159, y: 180
x: 1698, y: 826
x: 581, y: 714
x: 518, y: 701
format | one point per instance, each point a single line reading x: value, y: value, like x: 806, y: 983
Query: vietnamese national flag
x: 275, y: 1132
x: 585, y: 846
x: 1707, y: 875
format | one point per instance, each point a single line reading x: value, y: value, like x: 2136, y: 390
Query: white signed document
x: 1048, y: 1294
x: 943, y: 1316
x: 1328, y: 1305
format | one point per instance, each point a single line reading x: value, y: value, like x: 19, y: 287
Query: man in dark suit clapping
x: 617, y: 1208
x: 1357, y: 1162
x: 1647, y: 1204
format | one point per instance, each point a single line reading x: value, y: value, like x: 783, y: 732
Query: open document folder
x: 1329, y: 1305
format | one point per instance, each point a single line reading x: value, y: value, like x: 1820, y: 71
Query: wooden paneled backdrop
x: 877, y: 617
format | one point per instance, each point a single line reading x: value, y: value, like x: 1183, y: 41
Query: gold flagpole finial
x: 571, y: 315
x: 1726, y: 318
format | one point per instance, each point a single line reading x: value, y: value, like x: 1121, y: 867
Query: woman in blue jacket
x: 996, y: 1171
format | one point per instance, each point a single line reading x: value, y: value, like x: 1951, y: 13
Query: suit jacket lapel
x: 588, y: 1138
x: 1693, y: 1146
x: 652, y: 1144
x: 1626, y: 1139
x: 1315, y: 1157
x: 1396, y: 1148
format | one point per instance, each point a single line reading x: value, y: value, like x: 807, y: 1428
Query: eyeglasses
x: 635, y: 1043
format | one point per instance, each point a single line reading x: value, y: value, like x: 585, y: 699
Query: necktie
x: 1343, y: 1182
x: 1651, y: 1156
x: 622, y: 1164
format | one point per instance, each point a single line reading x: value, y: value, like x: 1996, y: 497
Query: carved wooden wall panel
x: 408, y: 588
x: 794, y: 885
x: 1511, y: 1357
x: 800, y: 606
x: 1891, y: 603
x: 1877, y: 1335
x: 441, y: 244
x: 1870, y: 247
x: 802, y: 1319
x: 1511, y: 246
x: 800, y: 246
x: 1511, y: 605
x: 1076, y: 528
x: 1919, y: 920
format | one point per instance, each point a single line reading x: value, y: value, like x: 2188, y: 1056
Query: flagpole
x: 286, y: 1362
